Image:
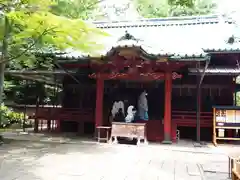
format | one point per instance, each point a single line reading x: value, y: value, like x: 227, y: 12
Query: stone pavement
x: 37, y: 137
x: 26, y: 160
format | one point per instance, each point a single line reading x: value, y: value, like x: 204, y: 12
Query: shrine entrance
x: 160, y: 126
x: 129, y: 92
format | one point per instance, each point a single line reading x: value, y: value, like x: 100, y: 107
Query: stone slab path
x: 26, y: 160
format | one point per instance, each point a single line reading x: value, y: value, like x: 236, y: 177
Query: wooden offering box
x: 236, y: 170
x: 129, y: 130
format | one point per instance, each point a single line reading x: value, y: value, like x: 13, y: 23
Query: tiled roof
x: 184, y: 38
x: 224, y: 48
x: 216, y: 71
x: 46, y: 77
x: 181, y: 34
x: 172, y: 21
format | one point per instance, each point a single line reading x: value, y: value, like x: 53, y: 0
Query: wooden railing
x: 189, y: 118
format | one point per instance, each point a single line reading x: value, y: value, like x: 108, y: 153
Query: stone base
x: 167, y: 139
x: 166, y: 142
x: 197, y: 145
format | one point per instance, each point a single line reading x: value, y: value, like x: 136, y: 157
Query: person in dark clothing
x: 119, y: 117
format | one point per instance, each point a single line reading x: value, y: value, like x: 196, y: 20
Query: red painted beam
x: 135, y: 76
x: 120, y: 63
x: 126, y: 76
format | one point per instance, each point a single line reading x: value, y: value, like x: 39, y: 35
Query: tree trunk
x: 4, y: 57
x: 2, y: 68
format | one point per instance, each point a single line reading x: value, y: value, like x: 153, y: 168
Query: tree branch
x: 28, y: 48
x: 66, y: 71
x: 95, y: 3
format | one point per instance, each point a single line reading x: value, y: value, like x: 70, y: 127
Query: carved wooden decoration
x: 133, y: 76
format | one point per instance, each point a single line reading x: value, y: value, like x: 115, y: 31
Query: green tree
x: 152, y: 8
x: 188, y: 3
x: 169, y: 8
x: 29, y: 25
x: 78, y: 9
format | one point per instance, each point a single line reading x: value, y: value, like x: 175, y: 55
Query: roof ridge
x: 175, y: 18
x: 185, y: 20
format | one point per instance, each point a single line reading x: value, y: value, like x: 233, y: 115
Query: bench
x: 128, y: 130
x: 106, y: 138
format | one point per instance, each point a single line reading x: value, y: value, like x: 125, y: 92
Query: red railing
x: 76, y: 115
x: 189, y: 118
x: 53, y: 113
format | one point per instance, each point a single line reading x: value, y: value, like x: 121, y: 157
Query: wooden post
x: 99, y: 102
x: 36, y: 121
x: 49, y: 119
x: 198, y: 113
x: 214, y: 127
x: 234, y: 92
x: 168, y: 109
x: 58, y: 124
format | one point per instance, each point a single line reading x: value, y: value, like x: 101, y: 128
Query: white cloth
x: 142, y: 101
x: 116, y: 106
x: 142, y: 105
x: 130, y: 114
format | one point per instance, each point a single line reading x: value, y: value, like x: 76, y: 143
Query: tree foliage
x: 33, y: 26
x: 187, y: 3
x: 42, y: 29
x: 77, y: 9
x: 27, y: 26
x: 10, y: 117
x: 169, y: 8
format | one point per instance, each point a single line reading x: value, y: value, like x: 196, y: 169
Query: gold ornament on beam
x: 128, y: 53
x: 162, y: 59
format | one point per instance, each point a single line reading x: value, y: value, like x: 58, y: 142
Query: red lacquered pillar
x: 168, y: 109
x: 99, y: 102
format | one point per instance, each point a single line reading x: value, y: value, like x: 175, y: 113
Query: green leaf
x: 168, y: 8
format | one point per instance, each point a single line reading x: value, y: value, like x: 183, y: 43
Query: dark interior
x: 131, y: 93
x: 69, y: 126
x: 191, y: 133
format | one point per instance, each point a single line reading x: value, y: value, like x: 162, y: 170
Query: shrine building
x: 185, y: 64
